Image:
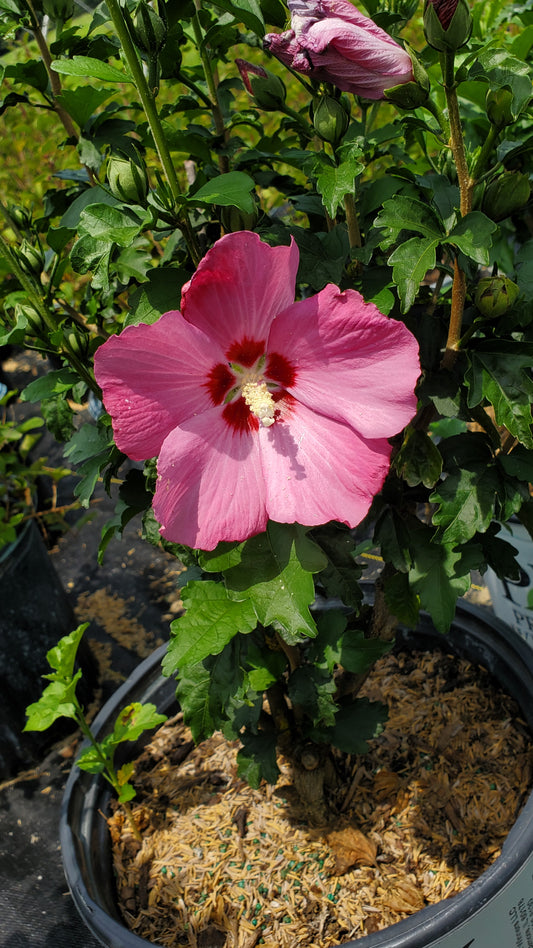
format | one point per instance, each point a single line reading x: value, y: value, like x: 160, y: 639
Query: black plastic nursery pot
x: 495, y: 911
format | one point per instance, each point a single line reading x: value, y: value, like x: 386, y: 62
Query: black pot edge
x: 493, y: 642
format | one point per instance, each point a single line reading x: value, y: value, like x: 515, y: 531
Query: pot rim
x: 475, y: 633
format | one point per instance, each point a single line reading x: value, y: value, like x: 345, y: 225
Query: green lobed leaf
x: 194, y: 695
x: 355, y: 724
x: 403, y: 213
x: 62, y: 656
x: 257, y: 760
x: 503, y: 378
x: 418, y: 461
x: 119, y: 225
x: 410, y: 262
x: 466, y: 502
x: 337, y: 645
x: 392, y: 534
x: 134, y: 719
x: 334, y: 182
x: 433, y: 578
x: 160, y: 293
x: 473, y: 236
x: 272, y: 577
x: 245, y: 11
x: 233, y: 188
x: 53, y: 383
x: 90, y: 449
x: 57, y: 701
x: 82, y: 102
x: 401, y: 599
x: 211, y: 620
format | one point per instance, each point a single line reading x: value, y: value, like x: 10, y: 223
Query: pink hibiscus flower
x: 259, y: 407
x: 331, y: 41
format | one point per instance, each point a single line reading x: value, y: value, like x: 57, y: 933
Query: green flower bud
x: 149, y: 29
x: 127, y: 179
x: 31, y: 258
x: 495, y: 295
x: 33, y: 319
x: 76, y: 342
x: 58, y: 9
x: 506, y: 194
x: 233, y: 219
x: 499, y: 107
x: 330, y: 118
x: 20, y: 216
x: 267, y: 90
x: 447, y: 23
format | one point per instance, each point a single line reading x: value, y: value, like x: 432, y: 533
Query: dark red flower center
x: 252, y: 385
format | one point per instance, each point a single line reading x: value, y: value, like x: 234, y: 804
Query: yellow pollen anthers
x: 260, y: 402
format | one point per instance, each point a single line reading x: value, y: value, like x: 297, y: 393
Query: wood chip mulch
x: 418, y: 818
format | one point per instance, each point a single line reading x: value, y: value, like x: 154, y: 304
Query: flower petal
x: 239, y: 287
x: 153, y: 378
x: 351, y: 362
x: 318, y: 470
x: 210, y: 486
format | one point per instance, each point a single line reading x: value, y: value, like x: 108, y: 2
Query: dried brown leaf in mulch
x: 351, y: 848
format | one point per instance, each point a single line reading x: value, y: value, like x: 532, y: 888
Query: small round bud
x: 233, y: 219
x: 20, y: 216
x: 76, y: 342
x: 330, y: 119
x: 127, y: 179
x: 33, y: 319
x: 149, y: 29
x: 499, y: 107
x: 31, y: 258
x: 505, y: 195
x: 495, y: 295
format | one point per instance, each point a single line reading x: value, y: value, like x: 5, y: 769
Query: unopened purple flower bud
x: 267, y: 90
x: 447, y: 23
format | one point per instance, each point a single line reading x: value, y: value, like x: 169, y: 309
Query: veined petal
x: 351, y: 362
x: 239, y: 287
x: 318, y: 470
x: 153, y: 378
x: 210, y: 485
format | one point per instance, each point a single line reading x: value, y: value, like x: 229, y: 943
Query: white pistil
x: 260, y: 402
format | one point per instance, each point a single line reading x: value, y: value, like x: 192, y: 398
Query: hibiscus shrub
x: 290, y: 267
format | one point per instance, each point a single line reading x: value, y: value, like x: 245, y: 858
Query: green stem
x: 466, y: 186
x: 194, y: 88
x: 286, y: 109
x: 218, y: 118
x: 354, y: 233
x: 154, y: 121
x: 109, y: 771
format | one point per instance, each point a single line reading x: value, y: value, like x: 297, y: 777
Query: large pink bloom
x: 331, y: 41
x: 259, y: 407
